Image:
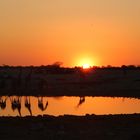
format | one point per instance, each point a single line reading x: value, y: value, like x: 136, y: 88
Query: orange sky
x: 74, y: 32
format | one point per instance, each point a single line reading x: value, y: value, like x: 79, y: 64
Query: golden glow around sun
x: 85, y: 63
x: 86, y: 66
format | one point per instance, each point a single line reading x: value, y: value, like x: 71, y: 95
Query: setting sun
x: 85, y: 62
x: 86, y: 66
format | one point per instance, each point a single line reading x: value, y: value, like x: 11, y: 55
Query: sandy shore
x: 110, y: 127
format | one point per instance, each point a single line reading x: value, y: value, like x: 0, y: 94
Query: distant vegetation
x: 77, y: 81
x: 56, y: 68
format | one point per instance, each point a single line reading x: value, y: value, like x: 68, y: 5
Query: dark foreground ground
x: 111, y: 127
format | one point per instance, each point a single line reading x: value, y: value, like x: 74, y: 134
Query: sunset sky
x: 98, y: 32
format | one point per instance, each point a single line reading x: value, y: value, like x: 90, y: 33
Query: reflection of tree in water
x: 81, y: 101
x: 28, y: 104
x: 3, y: 102
x: 16, y: 104
x: 41, y: 105
x: 58, y: 97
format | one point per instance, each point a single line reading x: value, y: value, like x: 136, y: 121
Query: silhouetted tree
x: 57, y: 64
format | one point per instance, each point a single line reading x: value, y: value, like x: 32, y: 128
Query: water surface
x: 29, y: 105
